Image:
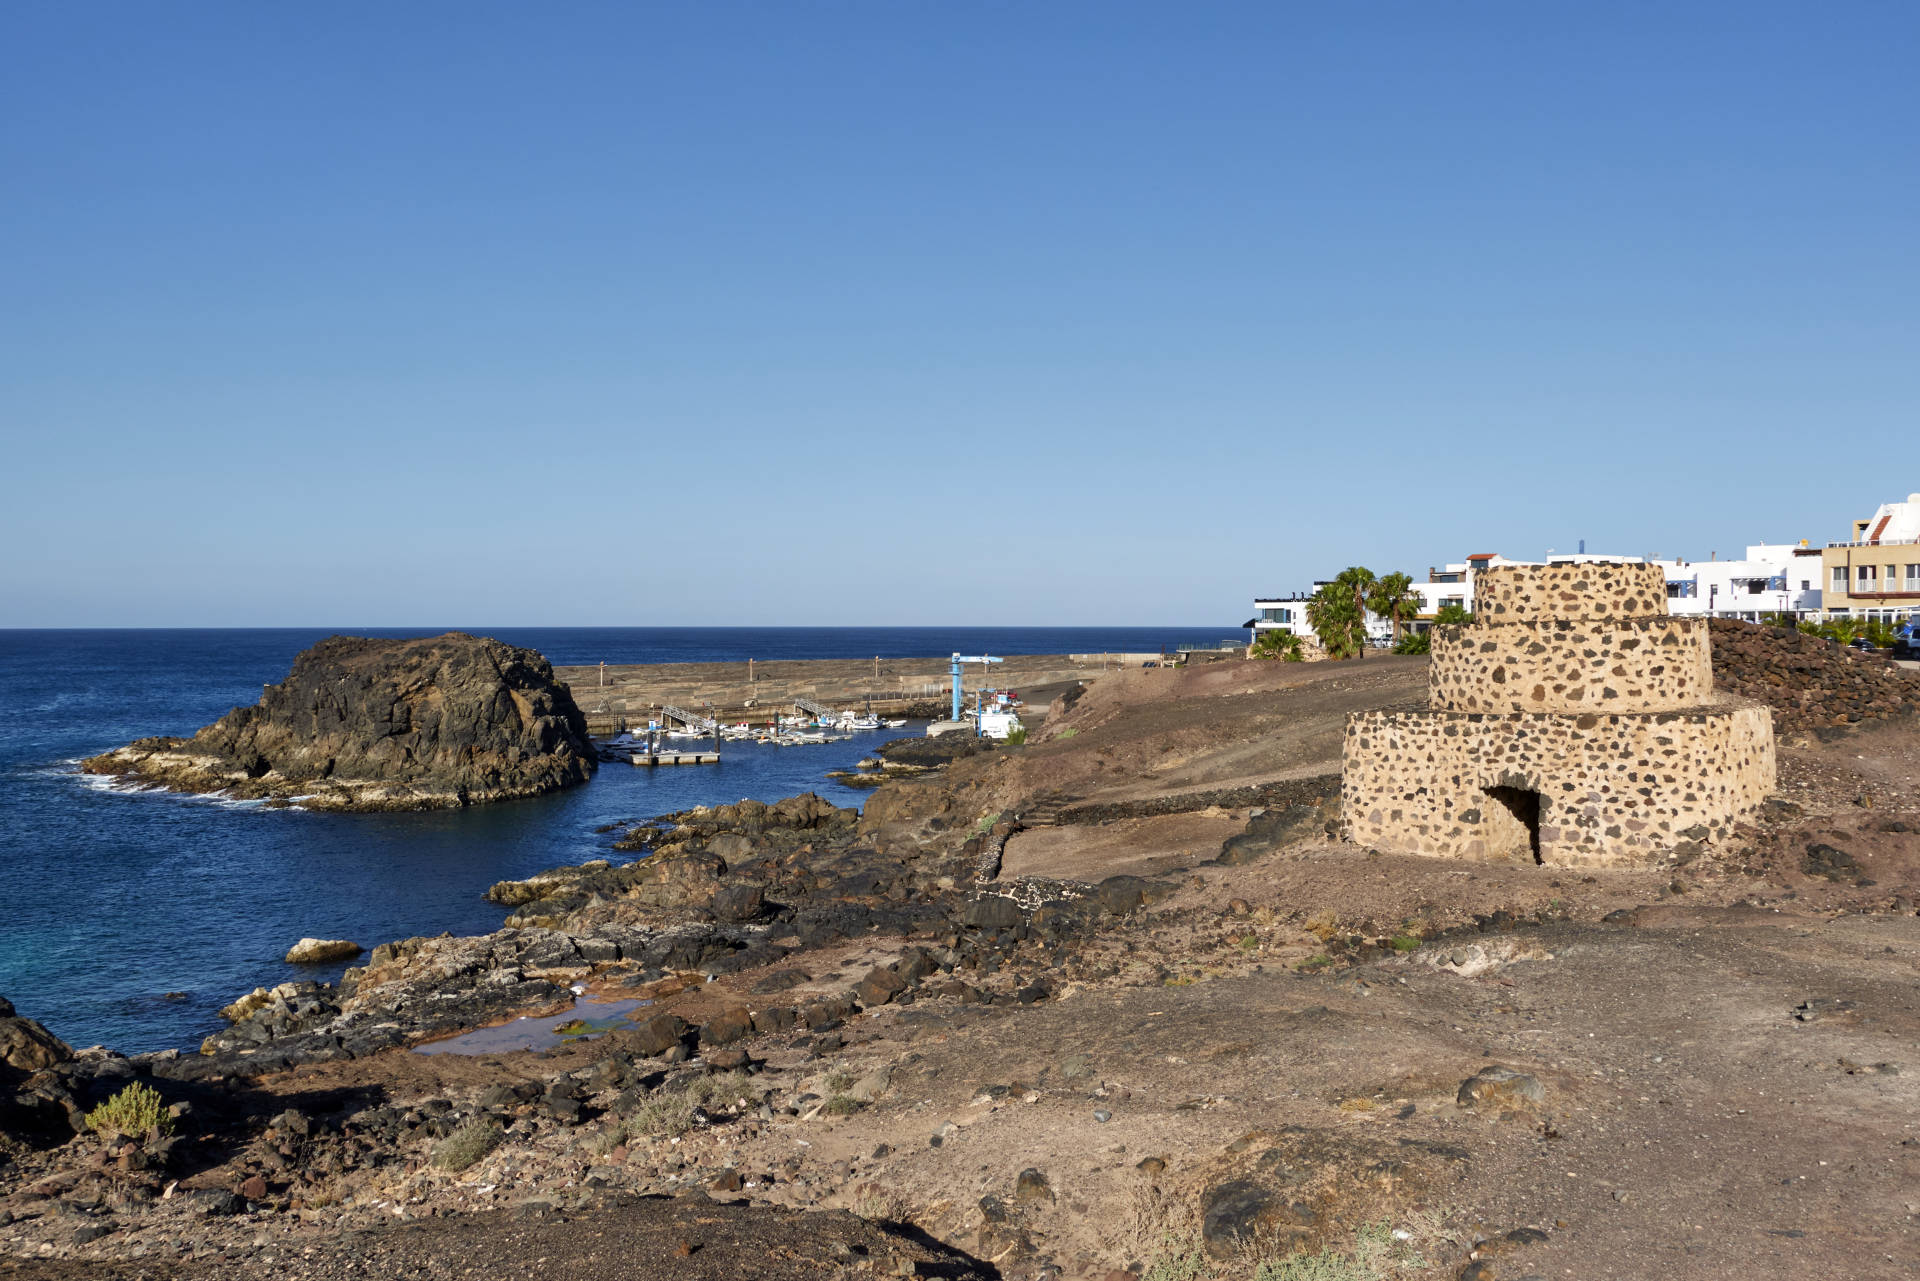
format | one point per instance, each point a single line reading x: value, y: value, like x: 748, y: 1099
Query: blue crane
x: 966, y: 658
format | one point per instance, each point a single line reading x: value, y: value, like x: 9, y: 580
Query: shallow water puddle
x: 587, y: 1019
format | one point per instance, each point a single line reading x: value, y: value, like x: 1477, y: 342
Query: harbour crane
x: 966, y: 658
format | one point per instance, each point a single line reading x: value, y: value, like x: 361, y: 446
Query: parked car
x: 1864, y: 645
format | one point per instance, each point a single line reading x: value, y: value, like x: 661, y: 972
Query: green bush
x: 466, y: 1145
x: 1413, y: 643
x: 132, y: 1112
x: 1016, y: 736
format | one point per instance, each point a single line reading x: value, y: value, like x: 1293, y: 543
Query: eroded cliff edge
x: 381, y: 724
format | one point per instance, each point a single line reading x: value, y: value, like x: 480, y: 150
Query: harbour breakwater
x: 615, y: 695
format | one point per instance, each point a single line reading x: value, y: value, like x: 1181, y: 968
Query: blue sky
x: 905, y: 313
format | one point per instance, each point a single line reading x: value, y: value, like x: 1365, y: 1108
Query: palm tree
x: 1279, y: 644
x: 1394, y: 599
x: 1357, y: 581
x: 1337, y: 621
x: 1451, y: 614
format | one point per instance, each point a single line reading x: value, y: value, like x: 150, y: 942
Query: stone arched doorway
x: 1512, y: 818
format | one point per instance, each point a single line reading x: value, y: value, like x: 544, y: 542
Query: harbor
x: 617, y: 698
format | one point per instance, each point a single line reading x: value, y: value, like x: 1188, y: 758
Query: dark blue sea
x: 114, y: 900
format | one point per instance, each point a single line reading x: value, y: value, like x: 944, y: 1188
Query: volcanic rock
x: 372, y: 724
x: 26, y: 1046
x: 1810, y: 683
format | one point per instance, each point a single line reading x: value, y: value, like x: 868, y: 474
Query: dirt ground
x: 1132, y: 846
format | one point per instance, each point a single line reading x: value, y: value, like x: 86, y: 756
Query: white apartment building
x: 1772, y: 578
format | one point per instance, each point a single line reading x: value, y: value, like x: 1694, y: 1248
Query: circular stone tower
x: 1571, y: 723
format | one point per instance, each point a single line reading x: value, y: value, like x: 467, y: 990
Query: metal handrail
x: 1880, y: 542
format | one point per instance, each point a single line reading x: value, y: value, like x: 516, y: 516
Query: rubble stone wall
x: 1809, y: 682
x: 1612, y: 790
x: 1638, y: 664
x: 1597, y: 589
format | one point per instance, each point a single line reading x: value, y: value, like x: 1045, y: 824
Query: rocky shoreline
x: 1257, y: 1051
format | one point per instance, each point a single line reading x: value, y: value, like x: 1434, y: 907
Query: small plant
x: 1016, y: 736
x: 1413, y: 643
x: 133, y: 1112
x: 839, y: 1080
x: 1248, y: 942
x: 1069, y: 732
x: 669, y: 1113
x: 466, y: 1145
x: 1177, y: 1261
x: 1375, y: 1256
x: 1406, y: 943
x: 1312, y: 963
x: 879, y: 1206
x: 841, y: 1105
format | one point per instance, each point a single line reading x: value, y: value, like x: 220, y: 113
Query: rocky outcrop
x: 369, y: 724
x: 312, y: 951
x: 25, y: 1046
x: 1808, y: 681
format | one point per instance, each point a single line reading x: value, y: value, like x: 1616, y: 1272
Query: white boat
x: 894, y: 724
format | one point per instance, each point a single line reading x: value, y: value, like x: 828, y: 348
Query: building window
x: 1866, y: 579
x: 1913, y: 578
x: 1840, y: 580
x: 1805, y: 585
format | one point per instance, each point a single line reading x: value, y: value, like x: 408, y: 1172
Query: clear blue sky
x: 929, y: 313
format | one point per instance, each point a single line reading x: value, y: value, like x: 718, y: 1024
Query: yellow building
x: 1876, y: 573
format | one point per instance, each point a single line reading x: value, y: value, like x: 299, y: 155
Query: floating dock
x: 677, y: 758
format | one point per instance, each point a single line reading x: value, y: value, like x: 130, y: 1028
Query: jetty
x: 617, y: 696
x: 708, y: 757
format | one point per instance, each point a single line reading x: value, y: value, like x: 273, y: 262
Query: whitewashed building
x: 1772, y: 578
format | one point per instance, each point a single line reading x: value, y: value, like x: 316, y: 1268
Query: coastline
x: 1095, y: 986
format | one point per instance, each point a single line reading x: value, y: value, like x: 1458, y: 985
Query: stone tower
x: 1571, y: 723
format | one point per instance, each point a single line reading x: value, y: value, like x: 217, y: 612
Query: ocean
x: 130, y: 918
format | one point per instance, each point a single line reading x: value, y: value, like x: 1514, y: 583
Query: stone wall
x: 1612, y: 789
x: 1639, y: 664
x: 1810, y: 683
x: 1596, y: 589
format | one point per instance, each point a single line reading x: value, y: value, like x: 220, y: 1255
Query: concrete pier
x: 677, y: 758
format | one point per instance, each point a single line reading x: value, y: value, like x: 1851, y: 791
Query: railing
x: 1879, y: 542
x: 692, y: 720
